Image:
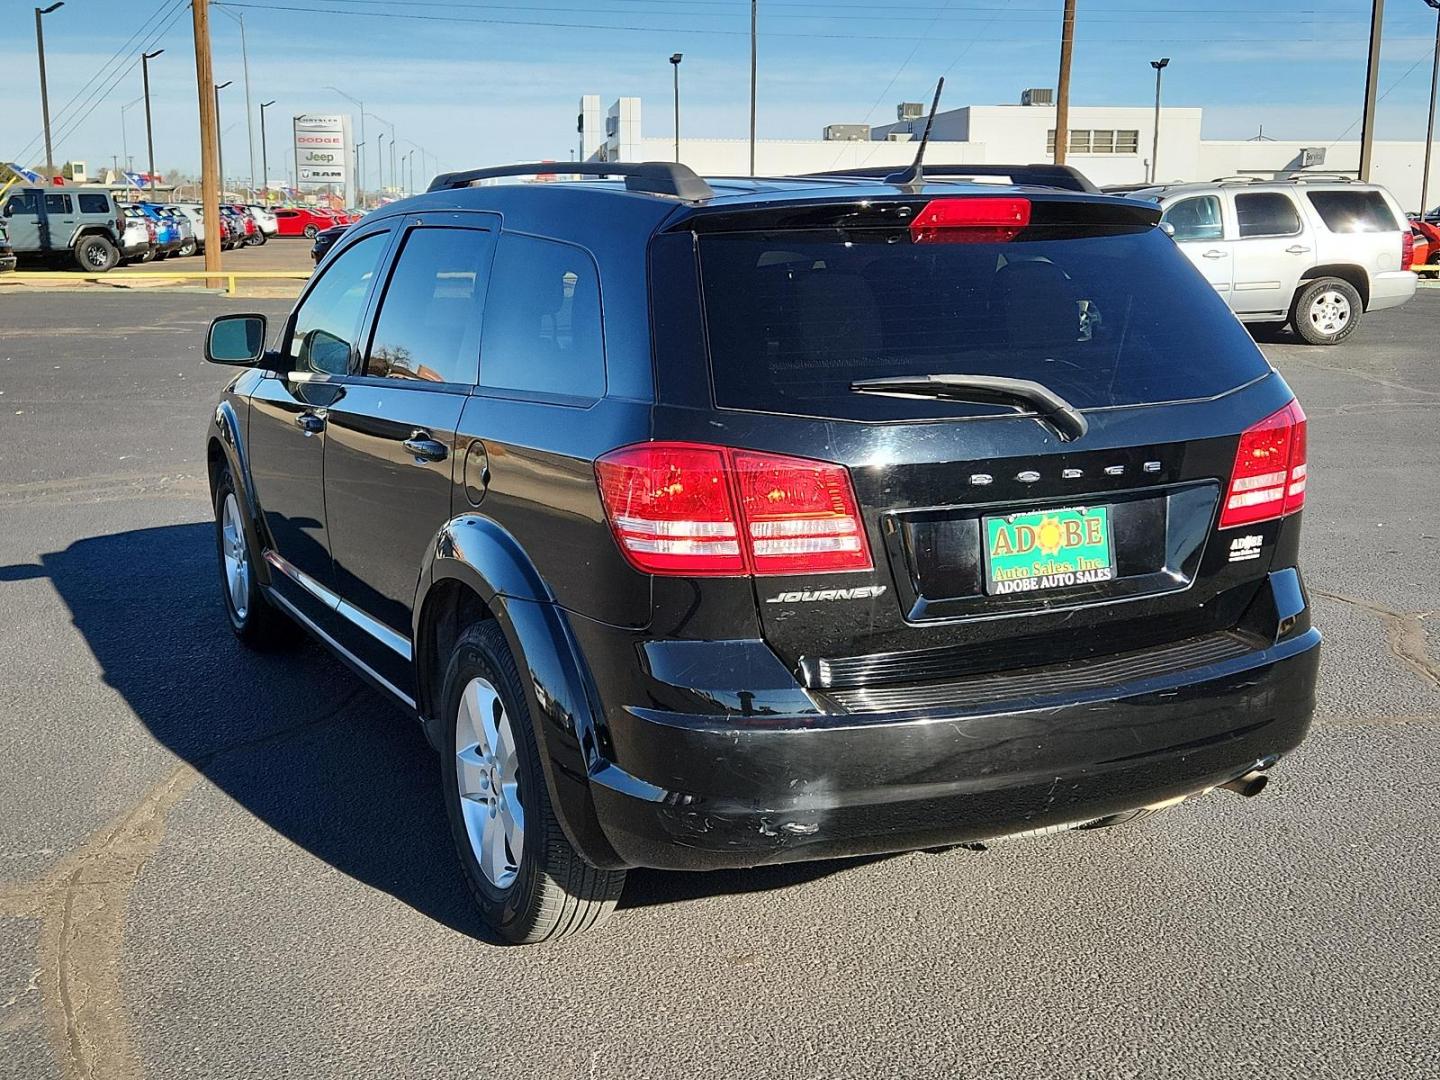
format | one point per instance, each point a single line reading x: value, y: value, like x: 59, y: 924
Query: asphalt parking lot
x: 217, y: 863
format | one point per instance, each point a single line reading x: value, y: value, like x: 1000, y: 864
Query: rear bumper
x: 704, y: 792
x: 1391, y: 289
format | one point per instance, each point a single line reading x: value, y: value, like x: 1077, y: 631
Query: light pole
x: 124, y: 130
x: 219, y: 139
x: 44, y: 89
x: 675, y: 63
x: 359, y: 157
x: 264, y: 150
x: 1159, y: 66
x: 754, y: 39
x: 410, y: 168
x: 1430, y: 124
x: 145, y: 59
x: 380, y: 163
x: 249, y: 118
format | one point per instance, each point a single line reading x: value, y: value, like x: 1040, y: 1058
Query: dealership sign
x: 323, y: 149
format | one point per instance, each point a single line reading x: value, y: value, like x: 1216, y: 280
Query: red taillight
x: 686, y: 509
x: 979, y: 220
x: 1269, y: 476
x: 1407, y: 249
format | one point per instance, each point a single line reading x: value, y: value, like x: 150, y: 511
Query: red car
x: 302, y: 221
x: 1427, y: 242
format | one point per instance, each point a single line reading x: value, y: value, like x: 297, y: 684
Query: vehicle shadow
x: 293, y: 737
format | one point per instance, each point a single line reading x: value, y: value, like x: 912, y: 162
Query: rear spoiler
x: 1064, y: 177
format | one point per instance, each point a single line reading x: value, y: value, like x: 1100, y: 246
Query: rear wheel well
x: 450, y: 608
x: 1355, y: 275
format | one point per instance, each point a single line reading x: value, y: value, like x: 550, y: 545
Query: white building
x: 1110, y: 144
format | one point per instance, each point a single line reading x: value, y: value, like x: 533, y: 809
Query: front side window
x: 542, y: 324
x: 429, y: 323
x: 1195, y: 219
x: 1266, y: 213
x: 94, y: 204
x: 26, y: 202
x: 328, y: 320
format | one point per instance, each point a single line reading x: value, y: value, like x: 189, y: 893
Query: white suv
x: 1313, y: 253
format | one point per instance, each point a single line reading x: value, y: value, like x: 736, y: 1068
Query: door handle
x: 310, y: 423
x: 423, y: 448
x: 1214, y: 253
x: 1297, y: 249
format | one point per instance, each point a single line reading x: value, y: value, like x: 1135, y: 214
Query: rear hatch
x: 1039, y: 403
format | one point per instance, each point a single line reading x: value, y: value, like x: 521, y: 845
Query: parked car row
x: 89, y: 227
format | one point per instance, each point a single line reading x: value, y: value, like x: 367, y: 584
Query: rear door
x: 996, y: 541
x: 1272, y: 250
x: 60, y: 218
x: 1200, y: 231
x: 390, y: 450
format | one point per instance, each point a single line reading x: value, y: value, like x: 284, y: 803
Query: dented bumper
x: 691, y: 792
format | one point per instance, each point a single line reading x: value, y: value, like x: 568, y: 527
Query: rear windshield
x: 1119, y: 319
x: 1353, y: 211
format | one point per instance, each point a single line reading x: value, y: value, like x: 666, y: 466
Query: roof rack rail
x: 1040, y: 175
x: 655, y: 177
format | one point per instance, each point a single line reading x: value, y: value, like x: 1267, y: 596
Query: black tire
x: 1434, y: 258
x: 96, y: 254
x: 554, y: 892
x: 310, y: 231
x: 258, y: 240
x: 1317, y: 316
x: 260, y: 625
x: 189, y: 247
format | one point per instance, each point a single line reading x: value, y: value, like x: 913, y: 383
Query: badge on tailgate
x: 1048, y: 549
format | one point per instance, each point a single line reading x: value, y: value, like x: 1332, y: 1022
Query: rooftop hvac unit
x: 1037, y: 95
x: 847, y: 132
x: 910, y: 110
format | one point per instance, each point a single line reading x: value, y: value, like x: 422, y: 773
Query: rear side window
x: 58, y: 204
x: 794, y: 318
x: 1266, y: 213
x: 1196, y: 219
x: 543, y: 330
x: 1353, y: 211
x: 429, y: 323
x: 329, y: 318
x: 94, y: 204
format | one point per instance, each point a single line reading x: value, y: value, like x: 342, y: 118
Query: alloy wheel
x: 236, y: 557
x: 1329, y: 312
x: 487, y: 770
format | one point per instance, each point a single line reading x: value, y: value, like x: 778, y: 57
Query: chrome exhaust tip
x: 1249, y: 785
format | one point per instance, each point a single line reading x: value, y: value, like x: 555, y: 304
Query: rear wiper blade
x: 1067, y: 420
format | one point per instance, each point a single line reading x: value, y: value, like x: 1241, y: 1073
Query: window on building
x: 1127, y: 142
x: 1050, y: 142
x: 542, y: 321
x: 1266, y: 213
x: 1097, y: 141
x: 429, y: 323
x: 1079, y: 142
x: 1102, y: 142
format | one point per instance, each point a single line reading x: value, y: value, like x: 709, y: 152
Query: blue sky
x: 480, y: 81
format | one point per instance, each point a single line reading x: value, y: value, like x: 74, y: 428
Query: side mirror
x: 236, y: 340
x: 1167, y: 229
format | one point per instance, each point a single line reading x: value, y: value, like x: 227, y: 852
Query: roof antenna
x: 913, y: 178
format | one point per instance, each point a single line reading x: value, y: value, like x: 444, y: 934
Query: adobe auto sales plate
x: 1048, y: 549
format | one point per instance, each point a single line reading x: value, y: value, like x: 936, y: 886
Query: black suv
x: 713, y: 524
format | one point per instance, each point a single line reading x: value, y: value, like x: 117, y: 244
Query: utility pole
x: 1062, y: 91
x: 145, y: 59
x: 675, y: 59
x: 1430, y: 124
x: 264, y: 151
x: 1159, y: 66
x: 754, y: 17
x: 44, y: 89
x: 219, y: 136
x: 1372, y: 78
x: 209, y: 143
